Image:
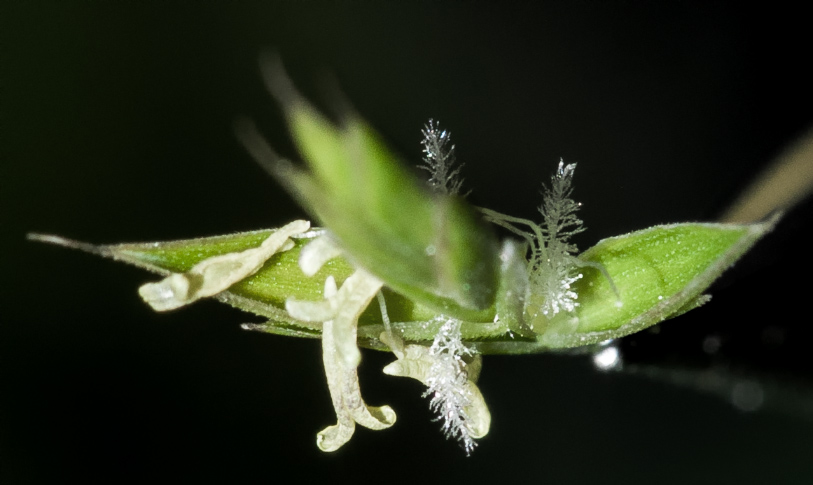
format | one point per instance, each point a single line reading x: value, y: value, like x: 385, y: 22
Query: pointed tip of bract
x: 443, y: 256
x: 69, y: 243
x: 277, y: 80
x: 289, y: 176
x: 256, y: 145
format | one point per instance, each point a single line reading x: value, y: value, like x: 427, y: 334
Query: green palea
x: 447, y: 289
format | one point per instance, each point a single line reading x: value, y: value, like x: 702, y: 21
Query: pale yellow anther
x: 216, y: 274
x: 478, y: 416
x: 344, y: 309
x: 416, y: 361
x: 344, y: 388
x: 316, y: 253
x: 339, y: 312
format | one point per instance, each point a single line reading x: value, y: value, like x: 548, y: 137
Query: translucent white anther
x: 344, y: 309
x: 312, y: 311
x: 316, y: 254
x: 455, y: 396
x: 345, y: 392
x: 216, y: 274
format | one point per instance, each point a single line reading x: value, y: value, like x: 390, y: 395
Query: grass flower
x: 449, y: 290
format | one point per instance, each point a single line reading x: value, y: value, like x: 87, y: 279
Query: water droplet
x: 608, y: 359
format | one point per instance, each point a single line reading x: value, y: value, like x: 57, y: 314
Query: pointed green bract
x: 279, y: 278
x: 263, y: 293
x: 431, y: 248
x: 659, y: 272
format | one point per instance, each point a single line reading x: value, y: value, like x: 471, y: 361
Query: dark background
x: 116, y: 125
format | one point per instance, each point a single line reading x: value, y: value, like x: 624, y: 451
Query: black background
x: 116, y: 125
